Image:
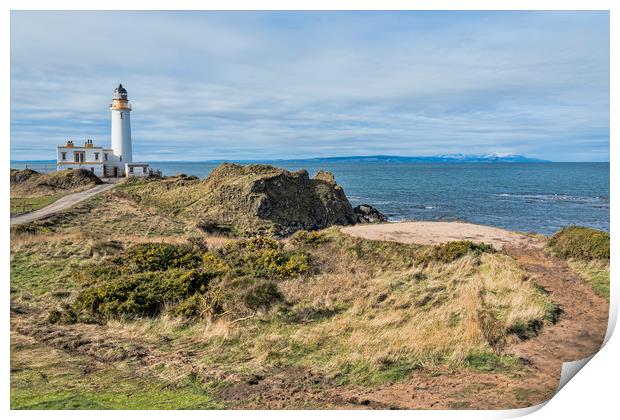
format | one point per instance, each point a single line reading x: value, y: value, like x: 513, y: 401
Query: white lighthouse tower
x: 121, y: 125
x: 114, y: 162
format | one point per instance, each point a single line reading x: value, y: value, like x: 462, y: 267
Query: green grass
x: 489, y: 362
x: 596, y: 273
x: 367, y: 374
x: 36, y: 274
x: 21, y: 205
x: 41, y: 379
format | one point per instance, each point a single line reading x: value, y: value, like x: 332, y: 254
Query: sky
x: 278, y: 85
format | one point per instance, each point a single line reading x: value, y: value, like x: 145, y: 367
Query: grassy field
x: 117, y: 305
x: 21, y: 205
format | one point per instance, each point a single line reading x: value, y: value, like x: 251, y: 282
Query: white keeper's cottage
x: 114, y: 162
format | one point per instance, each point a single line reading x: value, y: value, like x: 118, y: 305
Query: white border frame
x: 591, y: 395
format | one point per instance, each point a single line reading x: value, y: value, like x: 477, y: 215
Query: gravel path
x: 60, y: 204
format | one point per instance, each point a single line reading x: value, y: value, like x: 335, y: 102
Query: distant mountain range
x: 459, y: 157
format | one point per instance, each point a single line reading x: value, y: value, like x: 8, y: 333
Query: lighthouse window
x: 121, y: 115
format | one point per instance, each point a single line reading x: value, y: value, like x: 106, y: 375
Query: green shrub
x: 213, y: 264
x: 451, y: 251
x: 149, y: 278
x: 191, y: 307
x: 581, y: 243
x: 140, y: 294
x: 263, y: 257
x: 312, y: 239
x: 161, y: 257
x: 106, y: 270
x: 262, y: 296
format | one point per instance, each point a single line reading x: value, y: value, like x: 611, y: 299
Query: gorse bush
x: 264, y: 257
x: 305, y: 238
x: 160, y: 257
x: 185, y: 280
x: 580, y: 243
x: 451, y: 251
x: 141, y: 294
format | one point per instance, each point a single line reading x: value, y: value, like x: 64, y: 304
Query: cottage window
x: 105, y: 156
x: 96, y: 156
x: 64, y: 155
x: 131, y: 169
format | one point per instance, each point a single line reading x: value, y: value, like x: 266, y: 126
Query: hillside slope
x: 29, y: 183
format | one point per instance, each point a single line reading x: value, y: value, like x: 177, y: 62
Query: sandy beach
x: 431, y: 233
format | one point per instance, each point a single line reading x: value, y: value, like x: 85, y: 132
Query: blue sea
x: 527, y: 197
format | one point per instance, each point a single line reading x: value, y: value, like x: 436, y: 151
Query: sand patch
x: 432, y: 233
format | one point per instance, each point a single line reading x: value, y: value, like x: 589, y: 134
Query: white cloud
x: 276, y: 85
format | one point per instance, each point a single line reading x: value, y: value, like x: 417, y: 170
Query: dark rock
x: 264, y: 199
x: 368, y: 214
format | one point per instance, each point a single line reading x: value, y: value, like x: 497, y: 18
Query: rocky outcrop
x: 264, y: 199
x: 368, y: 214
x: 252, y: 199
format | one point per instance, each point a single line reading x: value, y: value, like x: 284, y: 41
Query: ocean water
x: 528, y: 197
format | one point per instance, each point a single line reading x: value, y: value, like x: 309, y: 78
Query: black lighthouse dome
x: 120, y: 92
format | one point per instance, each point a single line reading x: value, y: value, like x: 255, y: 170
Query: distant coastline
x: 448, y: 158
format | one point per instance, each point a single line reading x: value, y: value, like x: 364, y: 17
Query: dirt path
x: 63, y: 203
x: 431, y: 233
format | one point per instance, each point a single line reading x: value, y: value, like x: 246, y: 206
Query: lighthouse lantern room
x: 114, y: 162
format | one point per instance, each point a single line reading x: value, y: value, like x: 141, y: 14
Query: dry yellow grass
x: 441, y: 316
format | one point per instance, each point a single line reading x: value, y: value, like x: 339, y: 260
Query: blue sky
x: 263, y: 85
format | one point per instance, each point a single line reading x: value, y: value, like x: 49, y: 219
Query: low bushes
x: 186, y: 281
x: 312, y: 239
x: 580, y: 243
x: 158, y: 257
x: 264, y: 257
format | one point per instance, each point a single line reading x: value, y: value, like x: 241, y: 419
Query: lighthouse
x: 121, y: 125
x: 103, y: 162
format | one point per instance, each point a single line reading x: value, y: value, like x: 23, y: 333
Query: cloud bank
x: 268, y: 85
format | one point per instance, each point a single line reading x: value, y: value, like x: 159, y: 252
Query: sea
x: 525, y: 197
